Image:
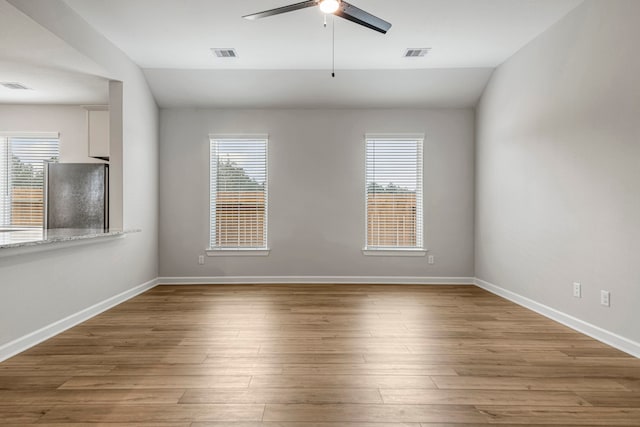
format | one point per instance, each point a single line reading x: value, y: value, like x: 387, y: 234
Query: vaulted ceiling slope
x: 286, y: 59
x: 54, y: 72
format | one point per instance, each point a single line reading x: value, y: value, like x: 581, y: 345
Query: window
x: 394, y: 193
x: 22, y: 159
x: 238, y: 196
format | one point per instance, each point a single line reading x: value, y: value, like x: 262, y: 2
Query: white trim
x: 394, y: 252
x: 238, y: 136
x: 27, y: 341
x: 237, y: 252
x: 346, y: 280
x: 96, y: 107
x: 395, y: 136
x: 596, y: 332
x: 35, y: 135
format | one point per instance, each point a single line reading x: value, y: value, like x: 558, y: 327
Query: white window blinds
x: 22, y: 161
x: 238, y: 193
x: 394, y: 193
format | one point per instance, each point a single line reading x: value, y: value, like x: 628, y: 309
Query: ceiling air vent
x: 14, y: 85
x: 225, y: 53
x: 416, y: 53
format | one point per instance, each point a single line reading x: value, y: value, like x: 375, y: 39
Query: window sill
x: 395, y: 252
x: 238, y: 252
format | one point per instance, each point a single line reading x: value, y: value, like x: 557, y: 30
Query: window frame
x: 8, y: 136
x: 239, y: 251
x: 408, y: 251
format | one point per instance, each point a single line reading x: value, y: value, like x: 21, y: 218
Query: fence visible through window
x: 394, y: 197
x: 238, y: 193
x: 22, y: 160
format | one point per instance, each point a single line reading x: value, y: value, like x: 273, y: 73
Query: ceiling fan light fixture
x: 329, y: 6
x: 14, y: 86
x: 339, y: 8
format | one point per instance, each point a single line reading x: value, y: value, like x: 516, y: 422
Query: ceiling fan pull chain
x: 333, y: 47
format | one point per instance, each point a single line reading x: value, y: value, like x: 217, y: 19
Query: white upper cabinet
x: 98, y: 125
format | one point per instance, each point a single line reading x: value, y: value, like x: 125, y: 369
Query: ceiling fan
x: 334, y: 7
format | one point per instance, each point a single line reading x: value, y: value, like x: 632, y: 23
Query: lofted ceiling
x: 437, y: 88
x: 171, y: 41
x: 54, y: 72
x: 179, y: 33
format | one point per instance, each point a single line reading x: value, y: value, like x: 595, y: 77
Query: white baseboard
x: 596, y: 332
x: 23, y: 343
x: 347, y: 280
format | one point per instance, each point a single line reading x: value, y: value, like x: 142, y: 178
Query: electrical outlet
x: 577, y: 290
x: 431, y: 259
x: 201, y: 260
x: 605, y: 298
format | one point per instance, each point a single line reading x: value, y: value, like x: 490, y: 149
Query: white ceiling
x: 51, y: 85
x: 55, y: 72
x: 171, y: 39
x: 179, y: 33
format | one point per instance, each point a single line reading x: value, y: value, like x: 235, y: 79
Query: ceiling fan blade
x: 284, y: 9
x: 359, y: 16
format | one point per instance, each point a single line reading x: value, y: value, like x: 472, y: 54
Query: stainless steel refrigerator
x: 76, y: 196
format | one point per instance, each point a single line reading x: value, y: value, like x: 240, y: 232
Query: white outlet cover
x: 605, y: 298
x: 577, y: 290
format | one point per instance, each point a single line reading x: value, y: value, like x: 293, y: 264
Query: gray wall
x: 43, y: 287
x: 316, y: 193
x: 558, y: 168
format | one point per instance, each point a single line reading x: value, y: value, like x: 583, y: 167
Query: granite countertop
x: 26, y: 237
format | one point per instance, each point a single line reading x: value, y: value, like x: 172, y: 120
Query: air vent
x: 225, y: 53
x: 416, y: 53
x: 14, y: 85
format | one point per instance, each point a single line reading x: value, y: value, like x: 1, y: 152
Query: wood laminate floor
x: 319, y: 356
